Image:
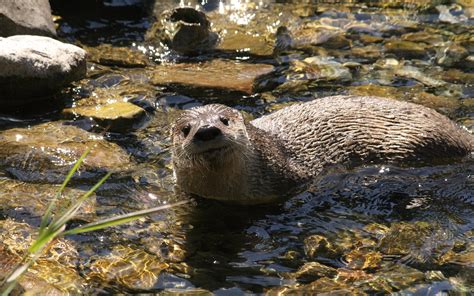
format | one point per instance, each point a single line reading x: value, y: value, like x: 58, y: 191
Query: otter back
x: 354, y: 130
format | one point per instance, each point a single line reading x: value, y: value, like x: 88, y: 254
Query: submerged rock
x: 409, y: 239
x: 54, y: 273
x: 318, y: 35
x: 218, y: 74
x: 464, y: 257
x: 456, y: 76
x: 317, y: 246
x: 106, y: 54
x: 423, y: 36
x: 16, y: 198
x: 312, y: 271
x: 320, y: 68
x: 369, y: 52
x: 369, y: 39
x: 46, y: 152
x: 446, y: 16
x: 362, y: 259
x: 392, y: 279
x: 466, y: 40
x: 239, y: 40
x: 130, y: 268
x: 323, y: 285
x: 406, y: 49
x: 26, y: 17
x: 417, y: 74
x: 34, y: 66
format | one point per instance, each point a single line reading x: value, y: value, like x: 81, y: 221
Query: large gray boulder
x: 36, y: 66
x: 26, y: 17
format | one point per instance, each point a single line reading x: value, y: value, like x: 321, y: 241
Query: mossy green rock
x: 117, y: 116
x: 46, y: 152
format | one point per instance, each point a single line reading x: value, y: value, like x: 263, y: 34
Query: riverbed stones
x: 35, y: 66
x: 219, y: 74
x: 46, y: 152
x: 26, y: 17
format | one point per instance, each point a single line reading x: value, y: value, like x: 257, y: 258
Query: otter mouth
x: 214, y: 151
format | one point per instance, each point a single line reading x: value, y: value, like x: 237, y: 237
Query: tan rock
x: 216, y: 74
x: 117, y: 116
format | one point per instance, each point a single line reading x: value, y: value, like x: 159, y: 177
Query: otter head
x: 208, y: 137
x: 217, y: 156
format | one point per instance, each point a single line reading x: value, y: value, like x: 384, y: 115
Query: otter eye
x: 224, y: 120
x: 186, y: 129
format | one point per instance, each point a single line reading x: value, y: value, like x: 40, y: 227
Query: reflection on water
x: 372, y: 230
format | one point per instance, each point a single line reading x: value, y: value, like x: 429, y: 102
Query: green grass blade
x: 52, y: 204
x: 44, y: 239
x: 69, y: 213
x: 8, y: 289
x: 120, y: 219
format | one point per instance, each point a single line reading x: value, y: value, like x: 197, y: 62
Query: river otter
x: 217, y: 155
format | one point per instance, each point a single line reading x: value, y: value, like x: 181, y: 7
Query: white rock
x: 26, y: 17
x: 35, y: 66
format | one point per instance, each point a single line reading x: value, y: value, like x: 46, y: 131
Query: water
x: 374, y: 230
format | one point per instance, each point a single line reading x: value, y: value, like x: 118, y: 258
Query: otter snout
x: 207, y: 133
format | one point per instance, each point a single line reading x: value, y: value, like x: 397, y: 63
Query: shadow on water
x: 219, y: 235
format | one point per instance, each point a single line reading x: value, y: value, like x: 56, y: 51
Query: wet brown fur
x: 268, y: 157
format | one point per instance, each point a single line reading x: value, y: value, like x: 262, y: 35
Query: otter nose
x: 207, y: 133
